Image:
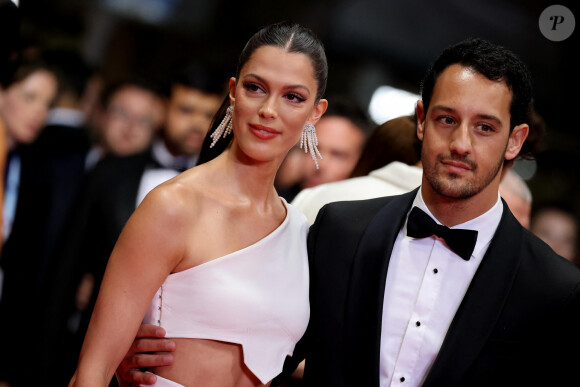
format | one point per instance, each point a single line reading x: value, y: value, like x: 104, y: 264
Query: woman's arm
x: 149, y: 247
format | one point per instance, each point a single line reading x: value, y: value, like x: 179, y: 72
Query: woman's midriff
x: 208, y: 363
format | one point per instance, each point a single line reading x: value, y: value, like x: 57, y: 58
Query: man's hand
x: 150, y: 349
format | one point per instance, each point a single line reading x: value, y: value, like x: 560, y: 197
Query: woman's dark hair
x: 23, y: 68
x: 289, y: 36
x: 494, y: 62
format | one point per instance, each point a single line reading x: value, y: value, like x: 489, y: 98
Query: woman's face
x: 274, y: 97
x: 24, y: 106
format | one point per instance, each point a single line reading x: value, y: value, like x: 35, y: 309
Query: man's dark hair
x: 138, y: 81
x: 72, y: 69
x: 200, y: 77
x: 494, y: 62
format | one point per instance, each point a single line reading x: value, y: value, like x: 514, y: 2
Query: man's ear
x: 516, y: 141
x: 232, y: 88
x: 420, y: 120
x: 318, y: 111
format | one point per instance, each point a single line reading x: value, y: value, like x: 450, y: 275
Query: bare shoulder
x: 173, y: 202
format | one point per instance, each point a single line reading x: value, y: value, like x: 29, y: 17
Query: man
x: 115, y: 188
x: 393, y: 304
x: 130, y: 114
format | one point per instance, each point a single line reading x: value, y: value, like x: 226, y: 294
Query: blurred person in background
x: 342, y: 132
x: 26, y: 95
x: 9, y: 31
x: 129, y: 114
x: 60, y: 151
x: 559, y: 227
x: 114, y: 189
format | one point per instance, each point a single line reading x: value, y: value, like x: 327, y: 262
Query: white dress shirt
x: 426, y: 282
x: 169, y: 167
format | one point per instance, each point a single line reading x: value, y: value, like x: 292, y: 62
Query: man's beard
x: 449, y: 185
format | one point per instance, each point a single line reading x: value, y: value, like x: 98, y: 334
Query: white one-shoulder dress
x: 256, y: 297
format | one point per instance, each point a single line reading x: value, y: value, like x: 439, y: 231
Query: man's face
x: 189, y: 115
x: 340, y: 142
x: 466, y: 135
x: 130, y: 121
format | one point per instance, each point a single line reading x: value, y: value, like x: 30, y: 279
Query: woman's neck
x: 253, y: 181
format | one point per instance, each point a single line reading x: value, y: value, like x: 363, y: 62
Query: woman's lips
x: 263, y: 132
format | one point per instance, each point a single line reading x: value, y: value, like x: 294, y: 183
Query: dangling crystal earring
x: 310, y: 142
x: 224, y: 127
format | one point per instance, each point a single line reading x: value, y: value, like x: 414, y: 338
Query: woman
x: 26, y: 94
x: 27, y: 91
x: 220, y: 253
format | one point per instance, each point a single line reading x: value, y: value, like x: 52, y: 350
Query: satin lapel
x: 481, y: 306
x: 364, y: 307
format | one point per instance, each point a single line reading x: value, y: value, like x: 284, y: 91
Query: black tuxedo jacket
x: 518, y: 323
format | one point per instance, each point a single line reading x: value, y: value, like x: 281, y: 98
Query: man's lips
x: 457, y: 166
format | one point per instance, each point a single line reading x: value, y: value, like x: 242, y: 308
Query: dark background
x: 369, y: 43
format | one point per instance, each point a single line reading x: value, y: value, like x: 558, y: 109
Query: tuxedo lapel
x: 366, y: 291
x: 481, y: 306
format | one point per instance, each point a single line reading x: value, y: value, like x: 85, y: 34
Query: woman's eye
x: 295, y: 97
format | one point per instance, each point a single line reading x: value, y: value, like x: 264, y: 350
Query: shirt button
x: 435, y: 271
x: 402, y: 379
x: 418, y: 323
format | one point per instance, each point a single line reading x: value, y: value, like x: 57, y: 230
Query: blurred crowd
x: 79, y: 152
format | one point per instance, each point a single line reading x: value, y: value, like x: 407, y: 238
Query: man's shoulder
x: 362, y: 204
x: 541, y: 256
x: 361, y: 211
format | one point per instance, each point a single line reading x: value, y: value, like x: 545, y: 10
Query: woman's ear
x: 318, y: 111
x: 232, y: 88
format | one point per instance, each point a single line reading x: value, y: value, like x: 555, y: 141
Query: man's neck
x: 451, y: 212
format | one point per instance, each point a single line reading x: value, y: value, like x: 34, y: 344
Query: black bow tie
x: 462, y: 242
